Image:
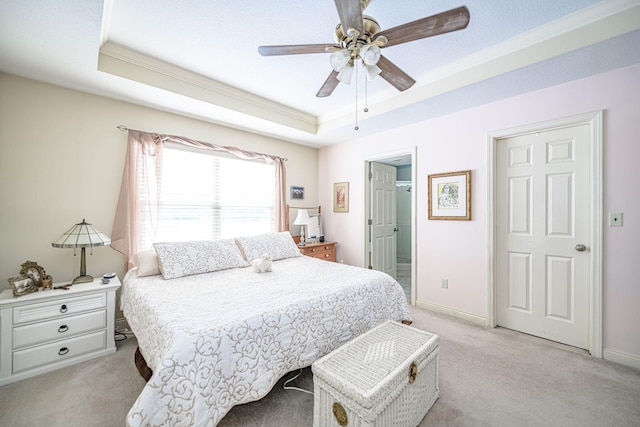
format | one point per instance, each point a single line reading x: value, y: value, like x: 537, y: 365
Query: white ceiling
x: 200, y: 57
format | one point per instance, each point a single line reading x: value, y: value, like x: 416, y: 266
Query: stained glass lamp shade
x: 82, y: 235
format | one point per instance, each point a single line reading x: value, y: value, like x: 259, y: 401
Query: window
x: 205, y: 196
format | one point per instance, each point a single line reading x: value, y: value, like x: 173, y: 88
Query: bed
x: 215, y: 333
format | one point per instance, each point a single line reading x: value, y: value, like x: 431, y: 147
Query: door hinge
x: 370, y: 176
x: 370, y: 222
x: 370, y: 267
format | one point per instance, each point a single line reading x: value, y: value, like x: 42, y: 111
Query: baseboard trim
x: 478, y: 320
x: 626, y: 359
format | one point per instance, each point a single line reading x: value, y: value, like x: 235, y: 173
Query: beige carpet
x: 488, y: 377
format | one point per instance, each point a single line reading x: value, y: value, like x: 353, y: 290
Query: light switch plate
x: 615, y: 219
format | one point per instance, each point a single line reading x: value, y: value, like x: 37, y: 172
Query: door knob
x: 580, y: 247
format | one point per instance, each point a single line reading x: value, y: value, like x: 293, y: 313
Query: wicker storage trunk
x: 385, y: 377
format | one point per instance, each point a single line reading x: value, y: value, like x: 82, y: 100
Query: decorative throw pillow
x: 147, y: 263
x: 178, y: 259
x: 279, y: 245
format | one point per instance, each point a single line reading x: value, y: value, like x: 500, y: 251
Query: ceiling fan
x: 359, y: 37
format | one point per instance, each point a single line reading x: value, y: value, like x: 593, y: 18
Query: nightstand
x: 324, y: 250
x: 48, y: 330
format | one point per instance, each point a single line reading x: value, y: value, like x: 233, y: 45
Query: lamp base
x: 82, y: 279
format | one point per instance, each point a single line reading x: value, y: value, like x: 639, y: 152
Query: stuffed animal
x: 262, y: 264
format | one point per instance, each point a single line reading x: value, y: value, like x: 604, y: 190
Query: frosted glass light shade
x: 372, y: 71
x: 339, y: 59
x: 370, y: 54
x: 345, y: 74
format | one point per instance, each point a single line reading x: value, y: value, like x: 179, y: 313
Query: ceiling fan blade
x: 329, y: 85
x: 445, y: 22
x: 295, y: 49
x: 394, y: 75
x: 350, y: 12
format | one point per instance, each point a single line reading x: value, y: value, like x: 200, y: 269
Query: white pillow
x: 147, y: 263
x: 279, y: 245
x: 178, y: 259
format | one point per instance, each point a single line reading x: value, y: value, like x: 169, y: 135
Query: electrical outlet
x: 615, y: 219
x: 444, y: 283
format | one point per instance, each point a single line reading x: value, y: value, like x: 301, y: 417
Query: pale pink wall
x: 458, y: 250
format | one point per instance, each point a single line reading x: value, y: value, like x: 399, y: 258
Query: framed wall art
x: 297, y: 193
x: 449, y: 195
x: 341, y: 197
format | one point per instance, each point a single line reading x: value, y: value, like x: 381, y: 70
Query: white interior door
x: 542, y: 234
x: 383, y: 218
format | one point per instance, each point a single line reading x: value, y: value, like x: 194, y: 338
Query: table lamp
x: 302, y: 220
x: 82, y: 235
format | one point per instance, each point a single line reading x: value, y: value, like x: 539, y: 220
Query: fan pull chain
x: 366, y: 97
x: 356, y: 127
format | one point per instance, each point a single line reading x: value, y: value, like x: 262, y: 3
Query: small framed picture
x: 297, y: 193
x: 33, y: 270
x: 341, y: 197
x: 22, y: 285
x: 449, y: 195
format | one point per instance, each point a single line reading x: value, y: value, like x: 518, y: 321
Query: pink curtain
x: 144, y: 158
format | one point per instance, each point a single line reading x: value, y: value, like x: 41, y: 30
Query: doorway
x: 545, y: 228
x: 390, y: 217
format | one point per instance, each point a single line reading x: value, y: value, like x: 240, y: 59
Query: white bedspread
x: 219, y: 339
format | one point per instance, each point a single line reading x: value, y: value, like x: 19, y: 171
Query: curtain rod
x: 123, y: 128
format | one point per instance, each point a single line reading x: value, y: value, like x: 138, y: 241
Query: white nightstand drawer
x: 59, y: 328
x: 51, y: 329
x: 58, y: 351
x: 58, y: 308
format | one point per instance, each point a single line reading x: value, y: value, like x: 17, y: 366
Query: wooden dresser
x: 324, y: 250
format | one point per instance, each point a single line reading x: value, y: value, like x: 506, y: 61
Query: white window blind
x: 207, y: 196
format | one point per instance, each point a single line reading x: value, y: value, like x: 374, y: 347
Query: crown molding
x: 124, y: 62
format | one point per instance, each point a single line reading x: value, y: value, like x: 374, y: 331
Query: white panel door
x: 383, y: 216
x: 542, y: 234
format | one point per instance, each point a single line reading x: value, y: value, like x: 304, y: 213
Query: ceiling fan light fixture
x: 370, y: 54
x: 339, y: 59
x: 358, y: 39
x: 372, y: 71
x: 346, y: 74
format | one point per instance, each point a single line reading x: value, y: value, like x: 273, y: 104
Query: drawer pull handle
x: 63, y: 308
x: 313, y: 249
x: 63, y: 351
x: 63, y: 328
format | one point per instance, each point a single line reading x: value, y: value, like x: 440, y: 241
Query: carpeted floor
x: 488, y: 377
